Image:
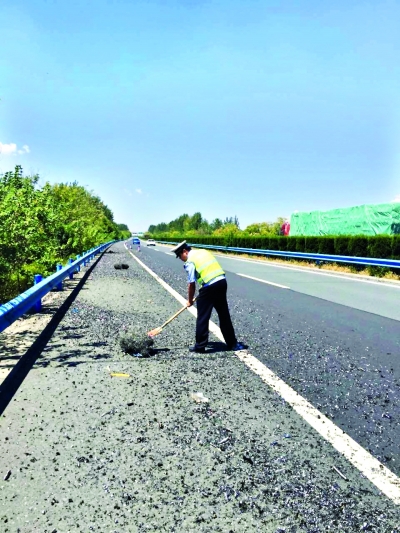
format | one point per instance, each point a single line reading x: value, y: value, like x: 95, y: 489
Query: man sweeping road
x: 201, y: 266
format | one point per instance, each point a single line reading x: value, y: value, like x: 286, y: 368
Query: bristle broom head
x: 135, y: 344
x: 154, y: 332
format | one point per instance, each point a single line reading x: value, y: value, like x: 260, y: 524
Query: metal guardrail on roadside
x: 319, y: 258
x: 31, y: 298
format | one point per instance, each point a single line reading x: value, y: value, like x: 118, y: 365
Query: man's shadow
x: 212, y: 347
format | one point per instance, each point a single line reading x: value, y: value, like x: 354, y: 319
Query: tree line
x: 186, y: 225
x: 42, y: 225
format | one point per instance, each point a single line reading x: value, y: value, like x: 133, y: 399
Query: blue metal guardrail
x: 319, y: 258
x: 10, y: 311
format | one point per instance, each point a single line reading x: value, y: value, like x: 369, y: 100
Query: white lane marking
x: 311, y: 271
x: 264, y: 281
x: 371, y: 468
x: 375, y: 471
x: 168, y: 253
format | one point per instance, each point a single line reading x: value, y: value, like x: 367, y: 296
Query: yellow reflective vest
x: 207, y: 267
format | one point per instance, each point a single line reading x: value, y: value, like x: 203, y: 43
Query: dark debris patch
x: 139, y: 345
x: 121, y: 266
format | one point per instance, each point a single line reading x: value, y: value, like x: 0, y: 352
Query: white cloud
x: 11, y: 149
x: 139, y: 191
x: 397, y: 198
x: 7, y: 149
x: 127, y: 192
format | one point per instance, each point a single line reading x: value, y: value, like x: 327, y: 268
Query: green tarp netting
x: 381, y: 219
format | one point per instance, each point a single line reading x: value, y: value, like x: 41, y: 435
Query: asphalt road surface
x: 85, y: 451
x: 345, y: 361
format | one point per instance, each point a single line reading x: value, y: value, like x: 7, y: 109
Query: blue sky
x: 163, y: 107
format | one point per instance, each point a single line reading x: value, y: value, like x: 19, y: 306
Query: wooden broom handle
x: 175, y: 315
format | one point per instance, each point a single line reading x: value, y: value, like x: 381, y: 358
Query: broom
x: 157, y: 331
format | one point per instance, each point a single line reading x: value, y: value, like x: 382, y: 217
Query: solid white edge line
x: 309, y: 271
x: 374, y: 470
x: 387, y: 482
x: 264, y: 281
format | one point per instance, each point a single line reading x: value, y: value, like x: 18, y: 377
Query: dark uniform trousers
x: 209, y: 297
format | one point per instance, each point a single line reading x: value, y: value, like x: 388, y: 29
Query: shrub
x: 283, y: 243
x: 358, y: 246
x: 396, y: 247
x: 341, y: 245
x: 326, y: 245
x: 380, y: 246
x: 273, y: 243
x: 377, y: 271
x: 300, y: 244
x: 311, y: 245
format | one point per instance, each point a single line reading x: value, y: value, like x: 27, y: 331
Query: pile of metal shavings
x: 137, y: 345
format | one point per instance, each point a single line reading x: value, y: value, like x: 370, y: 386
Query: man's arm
x: 191, y: 291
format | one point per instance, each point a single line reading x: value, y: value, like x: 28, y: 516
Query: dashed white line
x: 169, y: 253
x: 387, y: 482
x: 264, y: 281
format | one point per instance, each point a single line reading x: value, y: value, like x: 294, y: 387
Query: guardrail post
x: 59, y: 286
x: 78, y: 268
x: 70, y: 261
x: 38, y: 305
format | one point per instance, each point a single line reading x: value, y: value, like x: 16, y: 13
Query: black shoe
x: 196, y: 350
x: 238, y: 346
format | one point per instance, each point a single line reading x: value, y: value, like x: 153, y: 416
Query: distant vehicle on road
x: 136, y: 241
x: 151, y: 242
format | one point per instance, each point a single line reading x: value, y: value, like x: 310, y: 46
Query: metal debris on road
x: 7, y: 476
x: 136, y: 345
x: 199, y: 397
x: 340, y: 473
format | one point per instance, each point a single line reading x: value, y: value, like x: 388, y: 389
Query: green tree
x: 265, y: 228
x: 122, y: 227
x: 41, y: 226
x: 195, y: 221
x: 232, y: 221
x: 27, y: 218
x: 216, y: 224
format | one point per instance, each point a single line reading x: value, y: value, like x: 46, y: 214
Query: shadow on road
x: 13, y: 381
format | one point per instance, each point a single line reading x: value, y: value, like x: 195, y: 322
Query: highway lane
x: 367, y: 295
x: 344, y: 360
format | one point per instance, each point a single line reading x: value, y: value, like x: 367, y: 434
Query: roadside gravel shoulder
x: 19, y: 336
x: 89, y: 452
